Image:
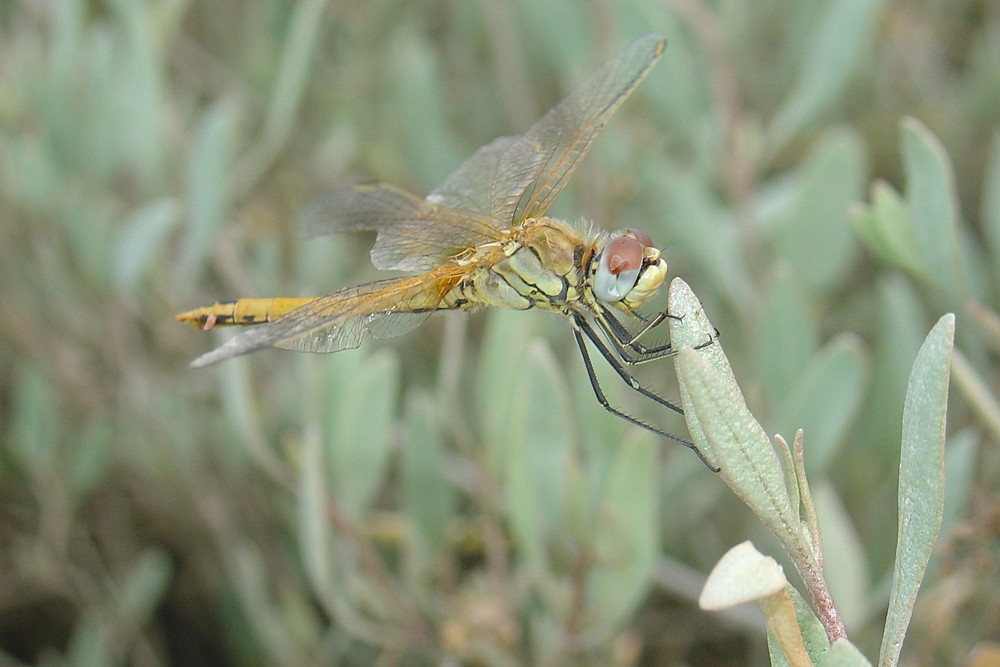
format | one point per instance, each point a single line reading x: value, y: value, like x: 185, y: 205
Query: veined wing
x: 341, y: 320
x: 564, y: 135
x: 504, y: 182
x: 491, y: 182
x: 515, y: 178
x: 414, y: 234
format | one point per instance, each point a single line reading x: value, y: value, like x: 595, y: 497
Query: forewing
x: 339, y: 321
x: 506, y: 181
x: 563, y: 135
x: 414, y: 234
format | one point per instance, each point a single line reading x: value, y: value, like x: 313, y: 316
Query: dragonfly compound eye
x: 642, y: 237
x: 618, y: 268
x: 629, y: 270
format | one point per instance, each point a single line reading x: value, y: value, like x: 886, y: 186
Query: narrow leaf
x: 144, y: 587
x: 788, y: 336
x: 845, y: 563
x: 841, y: 38
x: 538, y: 449
x: 141, y: 240
x: 991, y: 200
x: 887, y: 231
x: 816, y: 240
x: 314, y: 531
x: 718, y: 418
x: 426, y: 492
x: 843, y: 653
x: 360, y: 446
x: 825, y: 399
x: 208, y: 182
x: 505, y: 338
x: 705, y: 232
x: 626, y: 539
x: 921, y: 480
x: 930, y: 191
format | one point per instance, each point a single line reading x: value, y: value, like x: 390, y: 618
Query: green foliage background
x: 458, y: 494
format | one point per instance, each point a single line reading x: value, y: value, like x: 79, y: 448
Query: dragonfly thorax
x: 629, y: 270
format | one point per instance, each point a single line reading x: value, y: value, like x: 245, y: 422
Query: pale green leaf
x: 144, y: 587
x: 315, y: 534
x: 788, y: 336
x: 704, y: 232
x: 930, y: 192
x: 901, y: 329
x: 361, y: 444
x: 845, y: 562
x: 843, y: 653
x: 991, y: 200
x: 538, y: 448
x: 626, y: 537
x: 91, y: 455
x: 505, y: 339
x: 961, y: 467
x: 717, y: 412
x: 426, y: 139
x: 921, y: 479
x: 841, y: 40
x: 141, y: 241
x: 35, y: 427
x: 299, y: 50
x: 816, y: 239
x: 813, y: 633
x: 426, y: 492
x: 208, y: 182
x: 886, y: 229
x: 826, y: 398
x: 91, y: 643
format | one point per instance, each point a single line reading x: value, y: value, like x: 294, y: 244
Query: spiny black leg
x: 623, y: 339
x: 603, y: 400
x: 606, y: 404
x: 609, y: 356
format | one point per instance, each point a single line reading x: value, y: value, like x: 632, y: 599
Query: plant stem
x: 822, y: 602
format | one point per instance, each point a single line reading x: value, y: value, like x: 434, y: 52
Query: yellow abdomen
x: 243, y: 312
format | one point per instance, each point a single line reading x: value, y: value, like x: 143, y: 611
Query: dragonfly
x: 482, y: 239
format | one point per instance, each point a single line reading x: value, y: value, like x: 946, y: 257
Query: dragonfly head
x: 629, y: 269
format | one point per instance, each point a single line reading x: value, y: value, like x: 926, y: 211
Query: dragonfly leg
x: 628, y: 345
x: 581, y: 328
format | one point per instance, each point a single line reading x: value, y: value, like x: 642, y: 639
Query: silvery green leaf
x: 625, y: 536
x: 933, y: 202
x: 921, y: 480
x: 721, y: 423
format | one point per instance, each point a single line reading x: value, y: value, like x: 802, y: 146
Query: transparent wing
x: 500, y: 185
x: 339, y: 321
x: 563, y: 136
x: 359, y: 207
x: 414, y: 234
x: 491, y: 181
x: 468, y: 187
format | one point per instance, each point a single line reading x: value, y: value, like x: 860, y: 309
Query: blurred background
x: 825, y: 174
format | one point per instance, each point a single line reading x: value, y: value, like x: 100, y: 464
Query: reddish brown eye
x: 642, y: 237
x: 623, y: 253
